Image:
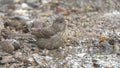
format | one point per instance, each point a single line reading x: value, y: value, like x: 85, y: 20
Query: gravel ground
x: 92, y: 33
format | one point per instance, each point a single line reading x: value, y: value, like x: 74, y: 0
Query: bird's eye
x: 60, y: 22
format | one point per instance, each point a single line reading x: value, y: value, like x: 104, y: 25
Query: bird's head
x: 59, y: 24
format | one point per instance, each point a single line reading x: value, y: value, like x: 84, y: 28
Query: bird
x: 53, y: 36
x: 57, y: 26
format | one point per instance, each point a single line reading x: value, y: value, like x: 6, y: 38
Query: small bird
x: 57, y: 26
x: 51, y: 37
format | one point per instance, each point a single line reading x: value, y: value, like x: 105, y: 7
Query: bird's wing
x: 44, y: 33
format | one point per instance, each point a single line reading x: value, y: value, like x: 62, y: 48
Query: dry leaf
x: 46, y: 14
x: 116, y: 48
x: 103, y: 38
x: 66, y: 12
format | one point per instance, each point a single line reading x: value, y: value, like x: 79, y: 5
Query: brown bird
x: 51, y: 37
x: 57, y: 26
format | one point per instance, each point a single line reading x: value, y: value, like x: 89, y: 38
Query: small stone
x: 18, y: 1
x: 23, y: 59
x: 7, y: 46
x: 66, y: 12
x: 108, y: 67
x: 17, y: 54
x: 96, y: 65
x: 111, y: 41
x: 6, y: 59
x: 1, y: 24
x: 38, y: 58
x: 25, y: 6
x: 48, y: 58
x: 16, y: 44
x: 46, y: 1
x: 15, y: 24
x: 32, y: 61
x: 6, y: 1
x: 116, y: 48
x: 31, y: 1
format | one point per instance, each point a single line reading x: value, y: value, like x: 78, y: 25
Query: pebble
x: 7, y: 46
x: 25, y: 6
